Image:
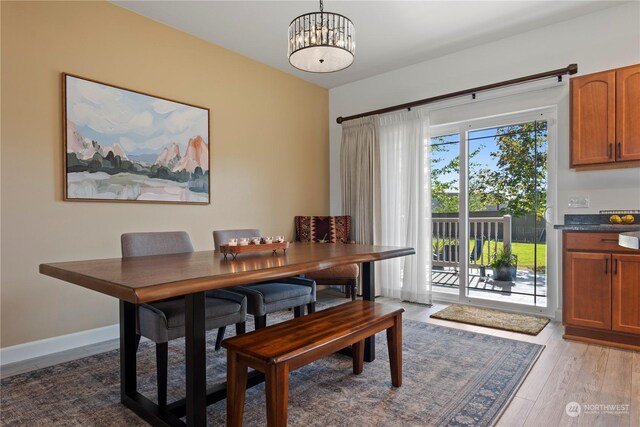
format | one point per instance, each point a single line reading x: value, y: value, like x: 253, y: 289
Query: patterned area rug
x: 496, y: 319
x: 451, y: 378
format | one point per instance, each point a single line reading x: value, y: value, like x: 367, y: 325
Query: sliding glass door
x: 490, y: 189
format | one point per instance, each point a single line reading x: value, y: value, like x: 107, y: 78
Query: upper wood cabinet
x: 605, y: 124
x: 628, y: 113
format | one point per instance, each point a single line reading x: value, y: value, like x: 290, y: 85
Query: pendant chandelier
x: 321, y: 42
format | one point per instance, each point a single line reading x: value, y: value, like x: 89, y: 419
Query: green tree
x: 445, y: 193
x: 519, y: 181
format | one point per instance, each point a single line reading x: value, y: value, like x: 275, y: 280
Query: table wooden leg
x: 195, y: 344
x: 236, y: 389
x: 277, y: 390
x: 394, y: 342
x: 358, y: 357
x: 369, y: 294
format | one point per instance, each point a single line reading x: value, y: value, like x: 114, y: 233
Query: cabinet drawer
x: 593, y: 242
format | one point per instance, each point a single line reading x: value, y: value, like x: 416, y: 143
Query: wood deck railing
x: 484, y: 236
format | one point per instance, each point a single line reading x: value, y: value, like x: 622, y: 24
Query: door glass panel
x: 506, y: 198
x: 445, y: 202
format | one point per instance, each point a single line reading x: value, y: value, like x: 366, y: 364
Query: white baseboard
x: 559, y: 315
x: 30, y: 350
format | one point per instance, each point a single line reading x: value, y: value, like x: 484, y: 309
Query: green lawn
x: 524, y: 251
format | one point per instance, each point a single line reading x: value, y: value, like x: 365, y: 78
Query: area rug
x: 451, y: 378
x: 496, y: 319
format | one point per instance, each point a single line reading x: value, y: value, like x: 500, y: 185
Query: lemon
x: 628, y: 219
x: 615, y: 219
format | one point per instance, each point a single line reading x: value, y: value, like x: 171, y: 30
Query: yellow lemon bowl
x: 615, y: 219
x: 628, y: 219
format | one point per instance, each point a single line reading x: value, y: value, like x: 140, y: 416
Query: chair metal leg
x: 352, y: 287
x: 241, y: 328
x: 298, y: 311
x: 261, y: 321
x: 311, y: 307
x: 138, y: 336
x: 220, y: 337
x: 162, y: 361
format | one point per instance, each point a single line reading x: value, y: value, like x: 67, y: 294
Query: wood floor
x: 590, y: 375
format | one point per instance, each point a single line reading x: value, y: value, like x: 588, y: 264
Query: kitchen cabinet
x: 605, y: 130
x: 601, y: 290
x: 625, y: 302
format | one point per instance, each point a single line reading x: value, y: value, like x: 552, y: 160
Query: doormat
x: 524, y: 323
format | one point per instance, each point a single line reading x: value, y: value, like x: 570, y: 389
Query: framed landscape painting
x: 125, y: 146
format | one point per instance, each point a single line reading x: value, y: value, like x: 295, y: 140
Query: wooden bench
x: 284, y: 347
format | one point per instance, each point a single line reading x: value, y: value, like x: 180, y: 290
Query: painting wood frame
x: 131, y: 146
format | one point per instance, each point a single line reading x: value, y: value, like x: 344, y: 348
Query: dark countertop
x: 595, y: 222
x: 610, y: 228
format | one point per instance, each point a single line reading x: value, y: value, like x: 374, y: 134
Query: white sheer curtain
x: 405, y: 208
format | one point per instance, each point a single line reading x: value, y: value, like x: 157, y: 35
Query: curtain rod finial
x: 339, y: 120
x: 573, y: 68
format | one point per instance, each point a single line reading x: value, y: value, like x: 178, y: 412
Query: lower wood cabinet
x: 588, y: 290
x: 601, y: 291
x: 625, y: 301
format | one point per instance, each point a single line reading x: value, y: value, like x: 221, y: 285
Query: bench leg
x: 236, y: 389
x: 358, y: 357
x: 277, y: 390
x: 394, y: 342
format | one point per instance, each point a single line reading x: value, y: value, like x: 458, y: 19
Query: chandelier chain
x: 321, y: 6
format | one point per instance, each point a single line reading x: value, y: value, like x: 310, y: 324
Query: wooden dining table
x: 139, y: 280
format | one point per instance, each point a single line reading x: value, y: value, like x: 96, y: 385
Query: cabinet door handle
x: 609, y: 240
x: 606, y: 266
x: 610, y: 149
x: 618, y: 151
x: 615, y: 267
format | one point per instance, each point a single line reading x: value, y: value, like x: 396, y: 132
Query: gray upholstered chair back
x: 155, y: 243
x: 220, y: 237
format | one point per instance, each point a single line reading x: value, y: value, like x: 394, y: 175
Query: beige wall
x: 269, y: 151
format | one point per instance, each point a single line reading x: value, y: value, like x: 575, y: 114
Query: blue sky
x: 484, y: 137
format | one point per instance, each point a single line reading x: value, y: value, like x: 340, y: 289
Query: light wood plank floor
x: 566, y: 371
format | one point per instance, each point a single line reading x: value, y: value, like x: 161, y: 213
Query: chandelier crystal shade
x: 321, y: 42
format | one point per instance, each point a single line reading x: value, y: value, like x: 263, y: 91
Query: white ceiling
x: 389, y: 34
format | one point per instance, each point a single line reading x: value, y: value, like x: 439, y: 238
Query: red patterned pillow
x: 323, y: 229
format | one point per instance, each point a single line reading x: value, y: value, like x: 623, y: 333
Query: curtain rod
x: 570, y: 69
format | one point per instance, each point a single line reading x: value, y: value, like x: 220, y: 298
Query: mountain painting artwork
x: 124, y: 146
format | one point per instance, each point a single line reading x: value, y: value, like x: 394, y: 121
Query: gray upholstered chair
x: 162, y: 321
x: 265, y: 298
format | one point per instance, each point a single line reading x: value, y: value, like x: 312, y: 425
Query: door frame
x: 548, y: 114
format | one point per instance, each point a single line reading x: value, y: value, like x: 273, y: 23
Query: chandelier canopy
x: 321, y: 42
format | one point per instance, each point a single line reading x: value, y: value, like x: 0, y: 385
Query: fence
x: 524, y: 229
x: 484, y: 232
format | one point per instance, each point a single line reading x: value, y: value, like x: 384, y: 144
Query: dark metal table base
x: 194, y: 405
x: 196, y: 387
